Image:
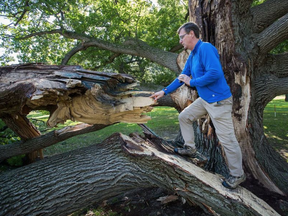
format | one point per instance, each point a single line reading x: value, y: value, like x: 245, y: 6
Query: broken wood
x: 67, y: 92
x: 118, y: 164
x: 70, y: 92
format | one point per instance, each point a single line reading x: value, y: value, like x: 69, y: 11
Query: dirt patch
x: 147, y: 202
x: 144, y: 202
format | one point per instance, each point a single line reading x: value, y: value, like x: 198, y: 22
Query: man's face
x: 184, y: 38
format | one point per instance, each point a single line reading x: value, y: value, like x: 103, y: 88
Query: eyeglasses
x: 182, y: 36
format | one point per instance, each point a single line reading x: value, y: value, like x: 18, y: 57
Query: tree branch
x: 68, y: 34
x: 51, y: 138
x: 273, y: 35
x: 130, y: 46
x: 267, y: 13
x: 23, y: 13
x: 68, y: 56
x: 276, y: 65
x: 268, y: 87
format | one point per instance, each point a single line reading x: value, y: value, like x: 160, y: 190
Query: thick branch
x: 269, y: 86
x: 72, y: 52
x: 268, y: 12
x: 118, y: 164
x: 273, y: 35
x: 130, y: 46
x: 81, y: 47
x: 14, y: 149
x: 276, y: 65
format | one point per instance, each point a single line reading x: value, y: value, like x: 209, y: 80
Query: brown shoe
x: 186, y: 151
x: 232, y: 181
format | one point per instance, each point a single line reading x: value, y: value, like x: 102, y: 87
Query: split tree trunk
x: 243, y: 37
x: 65, y: 183
x: 68, y: 92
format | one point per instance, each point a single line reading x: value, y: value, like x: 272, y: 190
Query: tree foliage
x: 107, y: 21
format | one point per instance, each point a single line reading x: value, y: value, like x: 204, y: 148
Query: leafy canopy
x: 108, y: 20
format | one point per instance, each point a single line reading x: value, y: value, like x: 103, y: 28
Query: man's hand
x: 157, y: 95
x: 184, y: 78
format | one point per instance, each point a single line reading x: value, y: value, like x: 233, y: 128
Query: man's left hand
x: 184, y: 78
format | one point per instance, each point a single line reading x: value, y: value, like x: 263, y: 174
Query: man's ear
x: 192, y: 33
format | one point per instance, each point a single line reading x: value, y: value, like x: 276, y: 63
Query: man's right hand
x: 157, y: 95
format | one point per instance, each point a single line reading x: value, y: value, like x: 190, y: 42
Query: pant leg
x: 187, y: 117
x: 222, y: 120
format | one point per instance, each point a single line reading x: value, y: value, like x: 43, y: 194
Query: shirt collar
x: 197, y: 46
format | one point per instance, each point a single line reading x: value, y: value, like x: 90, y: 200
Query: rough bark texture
x: 62, y: 184
x: 243, y: 40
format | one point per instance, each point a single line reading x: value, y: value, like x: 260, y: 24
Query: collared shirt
x: 203, y: 64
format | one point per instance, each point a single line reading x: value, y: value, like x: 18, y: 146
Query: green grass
x: 275, y: 123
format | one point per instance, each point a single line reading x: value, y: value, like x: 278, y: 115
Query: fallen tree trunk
x: 65, y: 183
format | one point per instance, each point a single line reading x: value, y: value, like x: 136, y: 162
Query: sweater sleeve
x: 177, y: 83
x: 213, y: 69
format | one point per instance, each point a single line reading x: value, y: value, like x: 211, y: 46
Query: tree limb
x: 84, y: 46
x: 23, y: 13
x: 68, y: 56
x: 43, y: 141
x: 268, y: 87
x: 268, y: 12
x: 273, y: 35
x: 131, y: 46
x: 276, y: 65
x: 120, y: 163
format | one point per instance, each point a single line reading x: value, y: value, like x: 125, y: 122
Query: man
x: 215, y: 98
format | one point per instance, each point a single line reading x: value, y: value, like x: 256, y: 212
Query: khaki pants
x: 220, y: 114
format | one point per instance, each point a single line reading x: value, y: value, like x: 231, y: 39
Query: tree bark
x: 65, y: 183
x: 255, y: 77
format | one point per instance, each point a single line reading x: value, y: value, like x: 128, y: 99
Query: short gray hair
x: 190, y: 26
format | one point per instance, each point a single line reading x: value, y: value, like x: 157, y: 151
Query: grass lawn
x: 164, y: 122
x: 276, y: 124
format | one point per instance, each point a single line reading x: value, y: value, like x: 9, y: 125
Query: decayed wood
x: 70, y: 92
x: 64, y: 183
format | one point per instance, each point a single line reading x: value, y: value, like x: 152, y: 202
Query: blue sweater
x: 203, y: 64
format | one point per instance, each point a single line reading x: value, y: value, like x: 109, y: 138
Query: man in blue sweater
x: 215, y: 98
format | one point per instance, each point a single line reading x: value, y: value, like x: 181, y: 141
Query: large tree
x: 244, y: 36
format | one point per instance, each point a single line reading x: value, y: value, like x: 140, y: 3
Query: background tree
x: 93, y: 34
x: 244, y: 36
